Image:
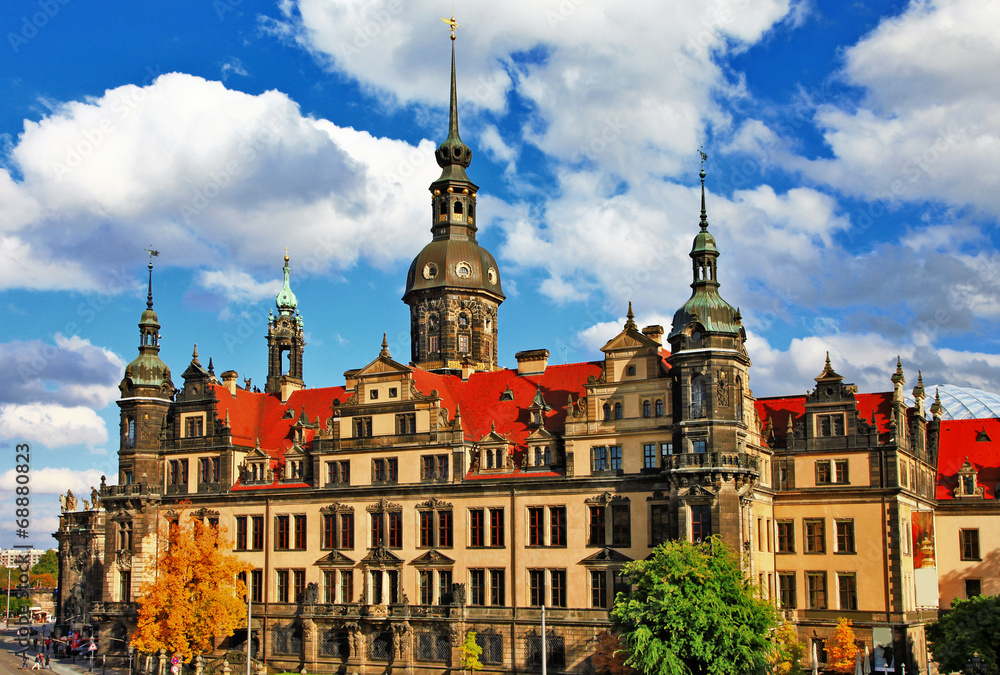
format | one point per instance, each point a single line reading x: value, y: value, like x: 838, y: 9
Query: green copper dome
x: 285, y: 300
x: 148, y: 369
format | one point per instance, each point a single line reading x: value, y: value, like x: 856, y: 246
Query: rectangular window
x: 426, y: 586
x: 298, y: 585
x: 406, y: 423
x: 477, y: 528
x: 498, y: 591
x: 477, y: 587
x: 346, y: 530
x: 362, y: 427
x: 615, y: 452
x: 395, y: 529
x: 536, y: 587
x: 496, y: 527
x: 463, y: 343
x: 434, y: 467
x: 973, y: 588
x: 815, y: 536
x: 536, y: 526
x: 845, y: 536
x: 300, y: 532
x: 817, y: 589
x: 432, y: 345
x: 970, y: 544
x: 204, y: 470
x: 557, y: 526
x: 822, y: 472
x: 649, y: 456
x: 329, y: 531
x: 258, y: 533
x: 599, y: 589
x: 841, y: 471
x: 329, y: 587
x: 346, y: 585
x: 621, y: 525
x: 377, y: 530
x: 125, y: 586
x: 786, y: 589
x: 786, y: 536
x: 257, y: 585
x: 659, y: 524
x: 831, y: 424
x: 427, y: 467
x: 597, y: 526
x: 701, y: 522
x: 338, y: 473
x: 426, y: 528
x: 444, y: 529
x: 241, y: 533
x: 444, y: 587
x: 599, y: 458
x: 558, y: 578
x: 847, y: 586
x: 392, y: 470
x: 282, y: 576
x: 281, y: 533
x: 698, y: 446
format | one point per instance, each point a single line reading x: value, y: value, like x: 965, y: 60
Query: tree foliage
x: 470, y: 651
x: 842, y: 649
x: 610, y: 655
x: 694, y: 612
x: 970, y: 627
x: 788, y: 651
x: 48, y: 563
x: 194, y: 594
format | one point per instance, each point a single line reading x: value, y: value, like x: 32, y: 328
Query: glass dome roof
x: 960, y: 403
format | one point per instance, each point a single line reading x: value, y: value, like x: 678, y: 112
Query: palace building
x: 388, y: 515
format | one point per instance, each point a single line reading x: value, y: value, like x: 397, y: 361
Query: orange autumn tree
x: 194, y: 595
x: 842, y: 648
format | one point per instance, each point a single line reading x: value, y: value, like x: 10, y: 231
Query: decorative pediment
x: 657, y: 496
x: 295, y: 452
x: 256, y: 453
x: 699, y: 491
x: 607, y: 498
x: 334, y: 559
x: 629, y: 339
x: 382, y: 556
x: 434, y: 503
x: 384, y: 505
x: 493, y: 438
x: 203, y: 513
x: 381, y: 366
x: 432, y: 559
x: 606, y: 556
x: 336, y: 507
x: 540, y: 435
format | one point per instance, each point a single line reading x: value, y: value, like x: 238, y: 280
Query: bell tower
x: 285, y: 343
x: 453, y: 285
x: 146, y: 395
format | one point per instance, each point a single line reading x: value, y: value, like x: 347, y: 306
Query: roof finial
x: 149, y: 295
x: 194, y: 355
x: 285, y: 300
x: 451, y: 22
x: 630, y: 323
x: 701, y: 174
x: 453, y: 152
x: 385, y: 348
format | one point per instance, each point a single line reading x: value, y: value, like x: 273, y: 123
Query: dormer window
x: 968, y: 481
x: 193, y: 426
x: 536, y: 416
x: 542, y: 456
x: 295, y: 469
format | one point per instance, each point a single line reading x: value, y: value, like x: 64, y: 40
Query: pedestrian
x: 37, y: 665
x: 48, y: 666
x: 24, y: 660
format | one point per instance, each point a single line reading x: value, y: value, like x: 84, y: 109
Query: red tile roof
x: 958, y: 442
x: 779, y: 408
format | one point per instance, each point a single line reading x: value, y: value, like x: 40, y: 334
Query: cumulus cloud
x: 200, y: 170
x: 70, y: 371
x: 52, y: 425
x: 55, y: 480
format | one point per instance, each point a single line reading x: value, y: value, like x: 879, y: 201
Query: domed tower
x: 713, y: 408
x: 285, y: 335
x: 453, y: 285
x: 147, y: 393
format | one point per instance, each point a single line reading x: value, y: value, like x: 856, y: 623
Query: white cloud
x: 55, y: 480
x: 70, y: 371
x: 238, y: 286
x: 199, y: 169
x: 51, y: 425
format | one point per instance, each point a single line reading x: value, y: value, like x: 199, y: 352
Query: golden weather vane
x: 451, y: 22
x: 152, y: 253
x: 701, y: 151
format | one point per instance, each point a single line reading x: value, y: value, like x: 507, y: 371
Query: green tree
x: 971, y: 627
x: 470, y: 651
x: 48, y: 563
x: 194, y: 594
x: 788, y: 651
x: 694, y: 612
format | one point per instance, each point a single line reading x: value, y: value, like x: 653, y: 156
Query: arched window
x: 489, y: 459
x: 130, y: 433
x: 607, y: 411
x: 646, y: 409
x: 458, y: 208
x: 659, y: 407
x: 739, y: 398
x: 698, y: 397
x: 618, y: 411
x: 463, y: 320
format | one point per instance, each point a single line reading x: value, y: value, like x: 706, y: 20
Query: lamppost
x: 976, y: 665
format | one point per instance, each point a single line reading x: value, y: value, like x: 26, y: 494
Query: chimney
x: 532, y: 362
x: 229, y: 381
x: 654, y: 333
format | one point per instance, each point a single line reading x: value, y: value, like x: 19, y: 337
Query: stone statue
x: 95, y: 497
x: 62, y: 502
x: 723, y: 389
x: 70, y: 501
x: 86, y: 505
x: 312, y: 593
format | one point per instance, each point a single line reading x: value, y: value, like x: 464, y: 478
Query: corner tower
x: 285, y: 336
x: 453, y: 285
x: 146, y: 395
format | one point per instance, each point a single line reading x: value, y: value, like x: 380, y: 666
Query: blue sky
x: 852, y: 186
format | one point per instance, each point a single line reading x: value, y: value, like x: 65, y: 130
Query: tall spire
x: 701, y: 174
x: 286, y: 300
x: 453, y: 156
